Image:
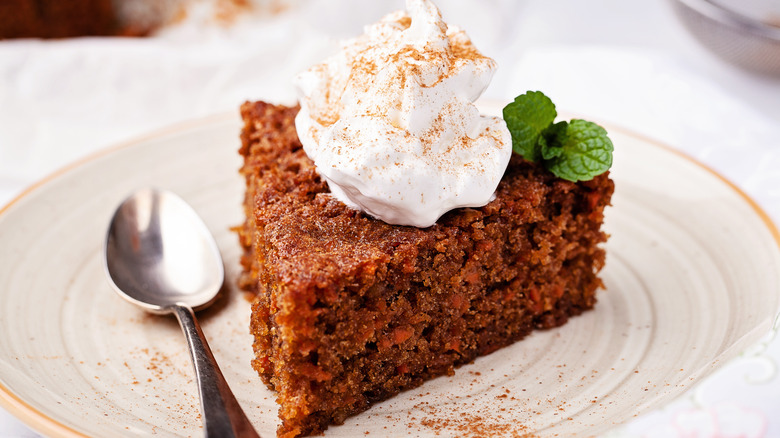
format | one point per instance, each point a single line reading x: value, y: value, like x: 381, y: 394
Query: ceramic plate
x: 692, y: 278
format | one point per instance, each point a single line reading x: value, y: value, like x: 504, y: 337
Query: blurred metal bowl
x: 744, y: 33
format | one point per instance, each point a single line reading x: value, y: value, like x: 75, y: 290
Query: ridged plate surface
x: 692, y: 279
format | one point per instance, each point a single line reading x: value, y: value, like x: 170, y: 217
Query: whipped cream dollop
x: 390, y: 122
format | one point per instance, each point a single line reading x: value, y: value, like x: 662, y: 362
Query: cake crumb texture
x: 350, y: 310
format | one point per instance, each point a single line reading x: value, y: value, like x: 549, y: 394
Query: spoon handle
x: 222, y: 415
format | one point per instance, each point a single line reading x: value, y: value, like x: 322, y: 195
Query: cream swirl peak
x: 391, y: 125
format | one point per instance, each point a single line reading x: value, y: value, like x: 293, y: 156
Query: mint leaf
x: 586, y: 152
x: 526, y: 117
x: 575, y: 151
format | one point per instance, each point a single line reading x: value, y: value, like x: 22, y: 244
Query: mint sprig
x: 575, y: 151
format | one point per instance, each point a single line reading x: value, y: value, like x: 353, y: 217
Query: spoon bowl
x: 160, y: 255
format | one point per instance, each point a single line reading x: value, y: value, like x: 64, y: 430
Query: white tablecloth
x: 626, y: 63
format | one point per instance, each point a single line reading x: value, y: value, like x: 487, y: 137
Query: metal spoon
x: 160, y: 256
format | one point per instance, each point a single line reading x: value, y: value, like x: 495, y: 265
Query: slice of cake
x: 350, y: 310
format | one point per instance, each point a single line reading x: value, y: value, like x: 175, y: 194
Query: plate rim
x: 47, y: 426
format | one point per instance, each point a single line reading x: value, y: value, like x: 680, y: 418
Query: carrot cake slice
x: 394, y: 232
x: 350, y: 310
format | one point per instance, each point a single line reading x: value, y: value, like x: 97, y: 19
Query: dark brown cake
x: 56, y: 18
x: 351, y: 310
x: 76, y: 18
